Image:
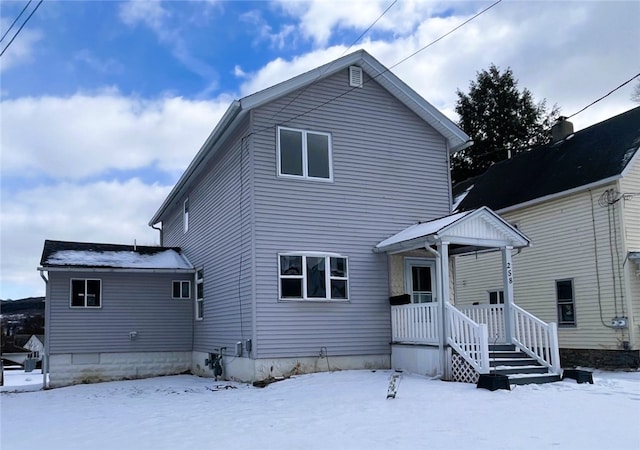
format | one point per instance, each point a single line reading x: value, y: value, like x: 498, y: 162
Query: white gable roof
x: 478, y: 228
x: 456, y: 138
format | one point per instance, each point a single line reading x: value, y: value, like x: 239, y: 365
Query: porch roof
x: 466, y: 231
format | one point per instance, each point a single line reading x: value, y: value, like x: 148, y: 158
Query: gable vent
x: 355, y: 76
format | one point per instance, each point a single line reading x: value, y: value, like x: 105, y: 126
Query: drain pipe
x: 47, y: 314
x: 160, y: 230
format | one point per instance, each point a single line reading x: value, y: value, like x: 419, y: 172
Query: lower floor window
x: 496, y: 297
x: 313, y: 277
x: 199, y: 294
x: 181, y: 289
x: 86, y: 293
x: 566, y: 303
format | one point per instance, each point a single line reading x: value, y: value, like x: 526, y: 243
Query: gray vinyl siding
x: 564, y: 247
x: 390, y: 170
x: 130, y: 302
x: 219, y: 240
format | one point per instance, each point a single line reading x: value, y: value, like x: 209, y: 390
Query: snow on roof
x: 165, y: 259
x: 422, y: 229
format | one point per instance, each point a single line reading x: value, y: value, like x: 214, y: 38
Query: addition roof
x: 63, y: 255
x: 597, y: 154
x: 456, y: 138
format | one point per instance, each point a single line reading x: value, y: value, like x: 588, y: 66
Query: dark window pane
x: 338, y: 288
x: 316, y: 282
x: 93, y: 292
x: 567, y: 314
x: 421, y: 278
x: 291, y: 152
x: 291, y: 265
x: 186, y: 291
x: 77, y: 292
x: 200, y: 274
x: 200, y: 290
x: 564, y: 289
x: 291, y: 287
x: 318, y: 155
x: 176, y: 289
x: 338, y: 267
x: 496, y: 297
x: 200, y: 310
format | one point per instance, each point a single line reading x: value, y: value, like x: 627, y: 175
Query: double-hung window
x: 566, y: 303
x: 181, y: 289
x: 313, y: 277
x: 496, y: 297
x: 86, y: 293
x: 199, y: 294
x: 304, y: 154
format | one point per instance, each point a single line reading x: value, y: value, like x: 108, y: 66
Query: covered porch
x: 430, y: 335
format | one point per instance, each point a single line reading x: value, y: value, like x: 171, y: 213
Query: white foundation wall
x: 421, y: 360
x: 67, y: 369
x: 247, y: 369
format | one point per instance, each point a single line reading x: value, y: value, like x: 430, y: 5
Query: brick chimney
x: 561, y: 129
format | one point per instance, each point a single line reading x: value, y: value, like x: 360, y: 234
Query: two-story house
x: 289, y: 221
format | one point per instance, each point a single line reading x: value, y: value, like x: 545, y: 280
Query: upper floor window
x: 313, y: 277
x: 304, y: 154
x: 185, y: 215
x: 181, y: 289
x: 86, y: 293
x: 566, y: 303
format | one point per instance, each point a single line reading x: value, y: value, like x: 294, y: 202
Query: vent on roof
x: 355, y: 76
x: 561, y: 129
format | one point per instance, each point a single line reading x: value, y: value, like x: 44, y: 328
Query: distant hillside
x: 31, y: 305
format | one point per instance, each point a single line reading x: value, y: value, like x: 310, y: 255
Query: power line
x: 606, y: 95
x: 21, y: 27
x: 370, y: 26
x: 15, y: 20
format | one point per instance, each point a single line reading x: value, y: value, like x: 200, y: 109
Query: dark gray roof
x: 61, y: 254
x: 596, y: 153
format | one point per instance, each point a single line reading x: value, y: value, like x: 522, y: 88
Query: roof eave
x: 113, y: 269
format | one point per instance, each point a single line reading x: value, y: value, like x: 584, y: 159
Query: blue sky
x: 104, y: 104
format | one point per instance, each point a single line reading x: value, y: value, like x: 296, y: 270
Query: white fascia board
x: 558, y: 195
x: 227, y: 124
x: 112, y: 269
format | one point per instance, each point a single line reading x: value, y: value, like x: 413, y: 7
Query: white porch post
x: 507, y: 276
x: 443, y: 250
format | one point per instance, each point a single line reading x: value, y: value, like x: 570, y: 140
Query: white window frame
x: 199, y: 299
x: 182, y: 282
x: 185, y: 215
x: 303, y: 277
x: 305, y: 158
x: 499, y: 293
x: 85, y: 306
x: 572, y: 302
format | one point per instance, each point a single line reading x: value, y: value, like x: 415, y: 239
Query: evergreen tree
x: 501, y: 120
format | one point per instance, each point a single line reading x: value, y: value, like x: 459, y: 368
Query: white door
x: 420, y: 280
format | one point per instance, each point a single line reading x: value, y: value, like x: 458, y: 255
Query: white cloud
x: 84, y: 135
x: 21, y: 49
x: 104, y: 211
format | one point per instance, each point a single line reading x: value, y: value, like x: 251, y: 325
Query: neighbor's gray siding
x: 219, y: 241
x: 130, y: 302
x: 390, y: 170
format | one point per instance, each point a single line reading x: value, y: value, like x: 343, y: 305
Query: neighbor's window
x: 304, y: 154
x: 313, y: 277
x: 566, y: 303
x: 496, y: 297
x: 199, y: 294
x: 185, y: 215
x: 181, y: 289
x: 86, y: 293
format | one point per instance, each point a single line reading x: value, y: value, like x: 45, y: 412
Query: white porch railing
x: 415, y: 323
x: 468, y: 338
x: 492, y: 316
x: 536, y: 338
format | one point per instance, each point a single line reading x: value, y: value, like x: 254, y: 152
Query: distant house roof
x: 599, y: 153
x: 59, y: 255
x: 456, y: 138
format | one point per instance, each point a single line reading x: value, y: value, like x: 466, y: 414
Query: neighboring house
x: 35, y: 344
x: 578, y: 199
x: 291, y: 216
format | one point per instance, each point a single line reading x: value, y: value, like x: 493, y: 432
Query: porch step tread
x: 513, y: 362
x: 528, y: 378
x: 508, y: 354
x: 519, y: 371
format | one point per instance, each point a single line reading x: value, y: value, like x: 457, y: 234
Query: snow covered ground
x: 340, y: 410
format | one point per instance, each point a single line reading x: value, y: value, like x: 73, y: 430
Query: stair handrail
x: 469, y: 338
x: 536, y: 338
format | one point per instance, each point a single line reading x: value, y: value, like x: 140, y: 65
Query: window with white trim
x: 86, y: 293
x: 313, y: 277
x: 496, y: 297
x: 199, y: 294
x: 185, y: 215
x: 566, y: 303
x: 304, y: 154
x: 181, y: 289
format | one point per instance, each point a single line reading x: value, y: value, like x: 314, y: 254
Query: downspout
x: 160, y: 230
x: 47, y: 332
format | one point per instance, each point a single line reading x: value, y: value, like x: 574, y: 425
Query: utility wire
x: 606, y: 95
x: 14, y: 22
x: 370, y: 26
x: 21, y: 27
